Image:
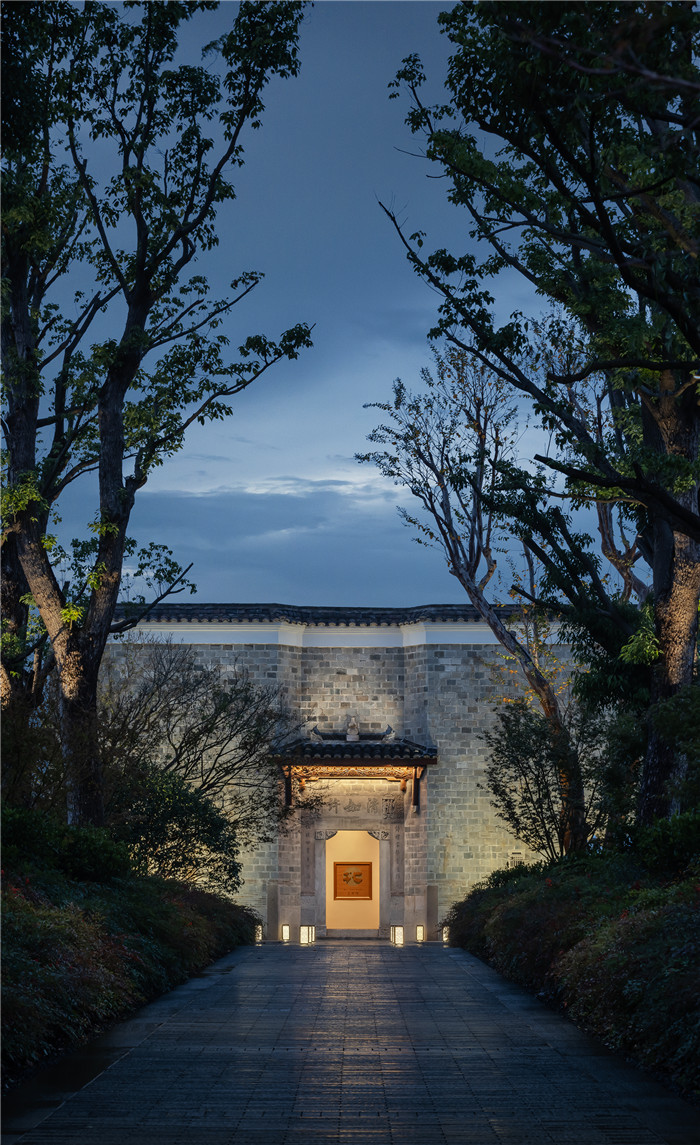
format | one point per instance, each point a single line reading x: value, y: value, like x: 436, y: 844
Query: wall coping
x: 338, y: 616
x: 322, y: 627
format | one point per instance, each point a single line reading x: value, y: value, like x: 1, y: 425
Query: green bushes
x: 609, y: 939
x: 85, y: 941
x: 634, y: 982
x: 175, y: 830
x: 80, y: 852
x: 669, y: 845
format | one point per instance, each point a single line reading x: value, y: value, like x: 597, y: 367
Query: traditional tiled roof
x: 357, y: 751
x: 174, y: 612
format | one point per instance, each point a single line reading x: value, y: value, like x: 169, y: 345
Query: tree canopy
x: 118, y: 158
x: 583, y: 178
x: 570, y: 138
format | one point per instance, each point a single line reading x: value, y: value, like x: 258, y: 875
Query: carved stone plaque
x: 392, y: 808
x: 308, y: 868
x: 352, y: 880
x: 397, y: 865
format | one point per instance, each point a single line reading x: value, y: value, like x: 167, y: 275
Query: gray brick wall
x: 465, y: 839
x: 438, y: 695
x: 364, y: 682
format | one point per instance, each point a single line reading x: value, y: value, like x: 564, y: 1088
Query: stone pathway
x: 347, y: 1042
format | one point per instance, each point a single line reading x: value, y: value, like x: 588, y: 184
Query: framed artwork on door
x: 352, y: 880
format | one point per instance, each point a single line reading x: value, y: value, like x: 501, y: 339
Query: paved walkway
x: 354, y: 1042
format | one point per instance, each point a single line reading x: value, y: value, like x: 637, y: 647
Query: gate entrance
x: 354, y: 850
x: 353, y: 884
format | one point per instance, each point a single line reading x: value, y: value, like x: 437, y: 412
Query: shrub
x: 617, y: 946
x: 505, y: 875
x: 176, y: 831
x: 78, y: 955
x: 88, y: 853
x: 40, y: 839
x: 677, y: 718
x: 30, y: 835
x: 669, y: 845
x: 634, y: 982
x: 63, y: 977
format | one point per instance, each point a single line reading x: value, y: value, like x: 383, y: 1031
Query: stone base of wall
x: 353, y: 934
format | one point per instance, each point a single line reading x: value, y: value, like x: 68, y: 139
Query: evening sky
x: 270, y: 504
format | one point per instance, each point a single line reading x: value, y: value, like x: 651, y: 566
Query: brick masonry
x: 437, y: 694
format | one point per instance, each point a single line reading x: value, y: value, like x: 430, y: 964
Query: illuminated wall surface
x: 349, y: 914
x: 433, y: 674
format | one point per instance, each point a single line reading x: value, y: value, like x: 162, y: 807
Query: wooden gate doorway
x: 353, y: 885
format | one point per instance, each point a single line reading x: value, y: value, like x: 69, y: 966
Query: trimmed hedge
x: 614, y: 944
x: 80, y: 952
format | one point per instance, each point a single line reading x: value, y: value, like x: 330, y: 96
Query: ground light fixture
x: 285, y: 932
x: 258, y: 933
x: 307, y: 935
x: 420, y: 933
x: 397, y: 935
x: 445, y: 934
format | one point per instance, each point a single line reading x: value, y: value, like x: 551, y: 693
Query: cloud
x: 362, y: 488
x: 397, y: 330
x: 313, y: 545
x: 225, y: 457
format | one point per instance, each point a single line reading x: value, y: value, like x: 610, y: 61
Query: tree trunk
x: 676, y: 596
x: 574, y: 827
x: 14, y: 626
x: 676, y: 570
x: 79, y: 740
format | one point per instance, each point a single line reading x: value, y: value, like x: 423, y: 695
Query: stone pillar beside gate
x: 415, y: 897
x: 289, y: 884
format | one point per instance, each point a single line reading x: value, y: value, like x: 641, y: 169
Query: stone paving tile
x: 355, y: 1043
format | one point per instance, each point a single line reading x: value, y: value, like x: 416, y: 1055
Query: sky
x: 270, y: 504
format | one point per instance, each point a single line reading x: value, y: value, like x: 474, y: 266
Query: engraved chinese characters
x: 352, y: 880
x: 387, y: 807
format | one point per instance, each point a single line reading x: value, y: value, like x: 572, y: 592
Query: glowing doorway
x: 348, y: 852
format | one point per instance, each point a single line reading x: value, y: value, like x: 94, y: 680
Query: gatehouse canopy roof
x: 370, y: 748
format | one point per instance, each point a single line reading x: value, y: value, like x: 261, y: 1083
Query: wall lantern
x: 285, y: 932
x: 397, y: 935
x: 420, y: 933
x: 258, y: 933
x: 307, y: 935
x: 445, y: 934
